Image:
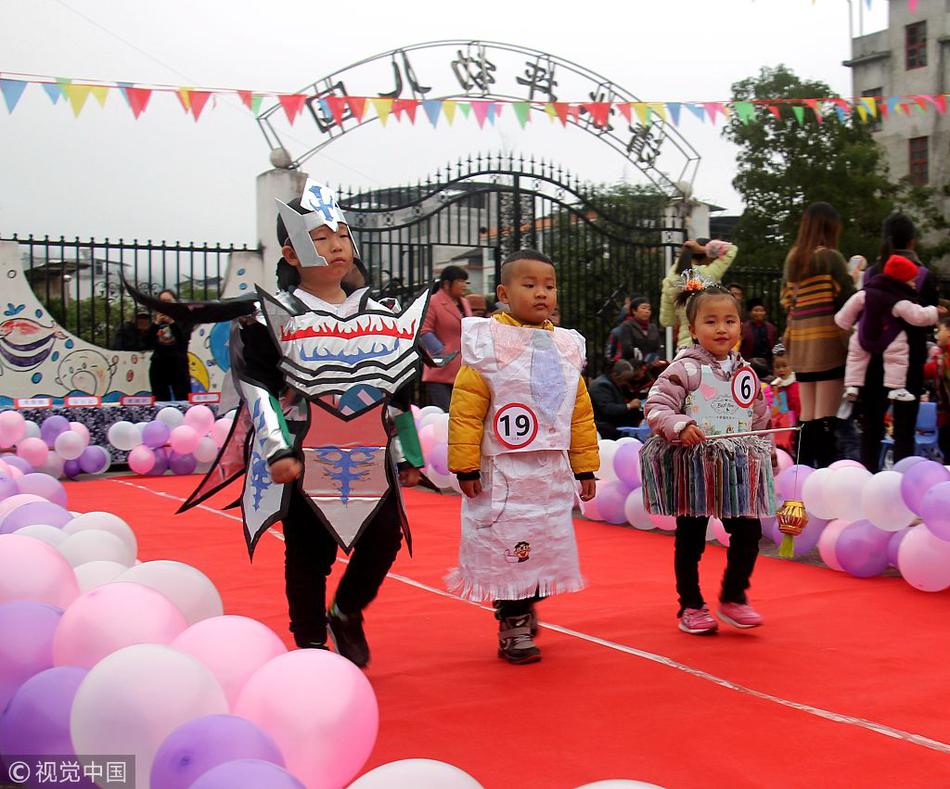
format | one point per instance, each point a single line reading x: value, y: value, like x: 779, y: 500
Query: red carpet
x: 846, y: 685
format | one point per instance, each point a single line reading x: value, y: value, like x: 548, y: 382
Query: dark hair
x: 945, y: 322
x: 636, y: 302
x: 752, y: 303
x: 691, y: 299
x: 897, y: 232
x: 522, y: 254
x: 167, y: 290
x: 450, y: 274
x: 820, y: 227
x: 688, y: 258
x: 760, y: 366
x: 735, y: 285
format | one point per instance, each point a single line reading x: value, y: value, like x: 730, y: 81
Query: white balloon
x: 635, y: 510
x: 608, y: 449
x: 883, y: 504
x: 207, y: 450
x: 106, y: 521
x: 415, y: 774
x: 94, y: 545
x: 171, y: 416
x: 848, y: 485
x: 124, y: 436
x: 41, y: 531
x: 187, y: 587
x: 32, y: 430
x: 92, y: 575
x: 818, y: 494
x: 626, y: 440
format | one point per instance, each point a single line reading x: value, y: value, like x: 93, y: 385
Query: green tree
x: 787, y: 162
x: 93, y: 320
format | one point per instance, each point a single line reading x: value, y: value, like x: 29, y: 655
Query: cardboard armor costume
x: 341, y: 368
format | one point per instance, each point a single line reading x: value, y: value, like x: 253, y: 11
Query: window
x: 874, y: 120
x: 917, y: 148
x: 915, y: 45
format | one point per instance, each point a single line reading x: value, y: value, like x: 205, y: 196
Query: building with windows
x: 910, y: 59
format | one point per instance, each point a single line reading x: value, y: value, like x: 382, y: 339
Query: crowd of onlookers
x: 858, y: 354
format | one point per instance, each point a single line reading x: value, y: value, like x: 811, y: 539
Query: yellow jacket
x: 471, y: 398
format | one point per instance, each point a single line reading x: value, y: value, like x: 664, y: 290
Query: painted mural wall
x: 38, y: 358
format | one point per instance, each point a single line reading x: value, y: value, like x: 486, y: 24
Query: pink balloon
x: 590, y: 510
x: 846, y: 464
x: 427, y: 439
x: 233, y: 647
x: 784, y: 460
x: 220, y: 430
x: 141, y: 459
x: 719, y: 531
x: 10, y: 504
x: 664, y: 522
x: 14, y: 472
x: 43, y: 485
x: 924, y: 560
x: 321, y: 711
x: 184, y: 439
x: 32, y: 570
x: 33, y: 450
x: 828, y: 541
x: 12, y: 427
x: 199, y: 418
x: 111, y: 617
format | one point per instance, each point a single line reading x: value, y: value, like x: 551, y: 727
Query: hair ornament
x: 693, y: 281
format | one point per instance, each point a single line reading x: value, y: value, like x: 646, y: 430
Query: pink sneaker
x: 698, y: 621
x: 740, y: 615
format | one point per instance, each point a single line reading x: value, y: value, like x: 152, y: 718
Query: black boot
x: 826, y: 442
x: 514, y: 640
x: 348, y: 636
x: 806, y: 443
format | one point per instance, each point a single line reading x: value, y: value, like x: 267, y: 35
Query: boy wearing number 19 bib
x: 522, y: 443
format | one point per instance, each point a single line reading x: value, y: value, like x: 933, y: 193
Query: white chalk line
x: 848, y: 720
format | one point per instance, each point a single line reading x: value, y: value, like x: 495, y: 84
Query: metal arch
x: 641, y: 148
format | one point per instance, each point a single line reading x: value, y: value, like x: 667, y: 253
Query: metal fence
x: 80, y: 281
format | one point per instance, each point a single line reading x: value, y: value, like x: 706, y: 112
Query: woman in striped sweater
x: 815, y: 285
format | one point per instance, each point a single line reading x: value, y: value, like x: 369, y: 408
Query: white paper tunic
x: 518, y: 535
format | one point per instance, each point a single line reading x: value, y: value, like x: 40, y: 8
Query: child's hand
x: 588, y: 489
x: 942, y: 311
x: 692, y: 435
x: 285, y: 470
x: 471, y: 487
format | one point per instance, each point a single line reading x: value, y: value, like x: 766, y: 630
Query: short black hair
x: 754, y: 302
x: 736, y: 285
x: 945, y: 322
x: 760, y: 366
x: 522, y: 254
x: 453, y: 274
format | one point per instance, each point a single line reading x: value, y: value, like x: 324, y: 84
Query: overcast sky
x: 165, y: 176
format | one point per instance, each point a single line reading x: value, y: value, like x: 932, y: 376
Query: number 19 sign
x: 516, y: 425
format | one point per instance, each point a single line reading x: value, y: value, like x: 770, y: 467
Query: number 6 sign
x: 745, y: 386
x: 516, y: 425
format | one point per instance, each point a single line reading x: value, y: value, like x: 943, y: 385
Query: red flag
x: 337, y: 105
x: 292, y: 104
x: 408, y: 106
x: 599, y: 111
x: 813, y: 105
x: 138, y: 99
x: 624, y: 107
x: 940, y: 102
x: 357, y: 105
x: 775, y: 111
x: 562, y: 110
x: 246, y: 97
x: 198, y: 100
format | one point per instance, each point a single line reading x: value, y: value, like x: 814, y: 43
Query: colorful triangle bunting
x: 357, y: 105
x: 138, y: 99
x: 448, y: 108
x: 292, y: 104
x: 12, y: 90
x: 100, y: 93
x: 198, y: 100
x: 383, y: 108
x: 77, y: 95
x: 522, y: 112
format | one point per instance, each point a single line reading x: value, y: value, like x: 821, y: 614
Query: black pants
x: 874, y: 405
x: 309, y: 553
x: 169, y: 379
x: 506, y: 608
x: 744, y: 536
x: 439, y: 394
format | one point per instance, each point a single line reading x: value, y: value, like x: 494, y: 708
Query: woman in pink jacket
x: 442, y: 333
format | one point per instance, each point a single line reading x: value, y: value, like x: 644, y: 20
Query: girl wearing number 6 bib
x: 709, y: 391
x: 522, y: 442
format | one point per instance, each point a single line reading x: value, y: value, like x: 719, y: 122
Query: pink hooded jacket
x: 667, y: 399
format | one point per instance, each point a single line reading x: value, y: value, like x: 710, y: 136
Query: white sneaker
x: 901, y: 395
x: 851, y: 393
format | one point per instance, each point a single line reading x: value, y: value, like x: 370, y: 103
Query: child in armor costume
x: 323, y: 372
x: 521, y: 434
x: 709, y: 391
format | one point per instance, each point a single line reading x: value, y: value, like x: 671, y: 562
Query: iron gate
x: 607, y: 243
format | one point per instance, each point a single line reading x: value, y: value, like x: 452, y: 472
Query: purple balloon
x: 93, y: 459
x: 788, y: 486
x: 627, y: 464
x: 204, y: 743
x: 861, y: 549
x: 18, y: 462
x: 906, y: 463
x: 247, y: 774
x: 8, y: 486
x: 182, y: 464
x: 935, y: 510
x: 43, y: 485
x: 27, y: 644
x: 72, y: 469
x: 439, y: 457
x: 155, y: 434
x: 36, y: 720
x: 918, y: 479
x: 894, y: 545
x: 611, y: 498
x: 52, y: 427
x: 35, y: 512
x: 161, y: 463
x: 808, y: 540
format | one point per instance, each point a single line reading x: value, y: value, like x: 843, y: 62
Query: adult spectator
x: 133, y: 335
x: 442, y: 333
x: 709, y: 259
x: 815, y: 285
x: 899, y: 237
x: 611, y: 396
x: 478, y: 304
x: 759, y: 336
x: 168, y: 340
x: 639, y: 336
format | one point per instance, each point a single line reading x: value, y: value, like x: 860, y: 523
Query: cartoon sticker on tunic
x: 521, y: 553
